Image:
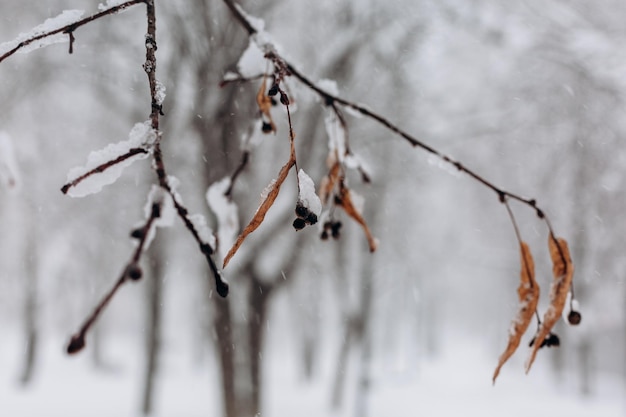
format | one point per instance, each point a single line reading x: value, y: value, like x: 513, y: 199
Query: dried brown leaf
x: 563, y: 271
x: 346, y: 202
x: 266, y: 204
x: 265, y: 105
x: 528, y: 294
x: 329, y: 181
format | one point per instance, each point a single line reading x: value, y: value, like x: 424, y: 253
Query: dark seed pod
x: 311, y: 218
x: 221, y: 286
x: 138, y: 233
x: 299, y: 224
x: 301, y: 211
x: 273, y: 90
x: 324, y: 235
x: 284, y: 99
x: 273, y: 101
x: 77, y: 343
x: 552, y: 340
x: 134, y: 272
x: 266, y: 127
x: 574, y: 318
x: 156, y: 210
x: 335, y: 229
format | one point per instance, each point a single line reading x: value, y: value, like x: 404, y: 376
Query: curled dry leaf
x: 329, y: 181
x: 265, y: 104
x: 563, y: 271
x: 268, y: 201
x: 528, y: 294
x: 345, y: 200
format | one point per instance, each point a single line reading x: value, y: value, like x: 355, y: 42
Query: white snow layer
x: 227, y: 215
x: 336, y: 135
x: 328, y: 86
x: 141, y: 136
x: 158, y: 195
x: 252, y: 61
x: 109, y: 4
x: 8, y: 162
x: 308, y: 197
x: 160, y: 93
x: 161, y: 197
x: 204, y: 231
x: 51, y: 24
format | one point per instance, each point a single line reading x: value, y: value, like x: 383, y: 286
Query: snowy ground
x: 456, y: 384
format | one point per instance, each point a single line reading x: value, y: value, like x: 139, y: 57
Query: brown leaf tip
x: 77, y: 343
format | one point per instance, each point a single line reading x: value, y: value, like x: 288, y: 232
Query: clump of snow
x: 65, y: 18
x: 328, y: 86
x: 141, y: 136
x: 307, y: 196
x: 8, y: 162
x: 109, y: 4
x: 252, y: 62
x: 227, y: 215
x: 230, y: 76
x: 160, y: 93
x: 266, y: 191
x: 337, y: 135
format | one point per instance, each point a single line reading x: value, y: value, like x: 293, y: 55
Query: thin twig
x: 102, y: 167
x: 69, y: 29
x: 131, y: 271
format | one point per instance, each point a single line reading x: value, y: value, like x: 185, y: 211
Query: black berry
x: 299, y: 224
x: 574, y: 318
x: 134, y: 272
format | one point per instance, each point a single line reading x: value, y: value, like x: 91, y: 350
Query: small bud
x: 335, y: 229
x: 266, y: 127
x: 284, y: 99
x: 221, y: 286
x: 273, y: 90
x: 273, y: 101
x: 324, y: 235
x: 138, y: 233
x: 206, y: 249
x: 77, y: 343
x: 299, y: 224
x: 133, y: 272
x: 156, y: 210
x: 574, y: 318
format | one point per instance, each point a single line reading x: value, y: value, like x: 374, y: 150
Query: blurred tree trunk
x: 30, y: 311
x: 258, y: 303
x: 154, y: 286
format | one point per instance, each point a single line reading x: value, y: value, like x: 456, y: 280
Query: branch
x: 69, y: 29
x: 102, y: 167
x: 131, y: 271
x: 332, y: 100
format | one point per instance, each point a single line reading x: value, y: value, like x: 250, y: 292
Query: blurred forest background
x: 529, y: 94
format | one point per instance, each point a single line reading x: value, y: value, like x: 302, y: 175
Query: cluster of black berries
x: 331, y: 228
x: 550, y: 341
x: 304, y: 216
x: 274, y: 90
